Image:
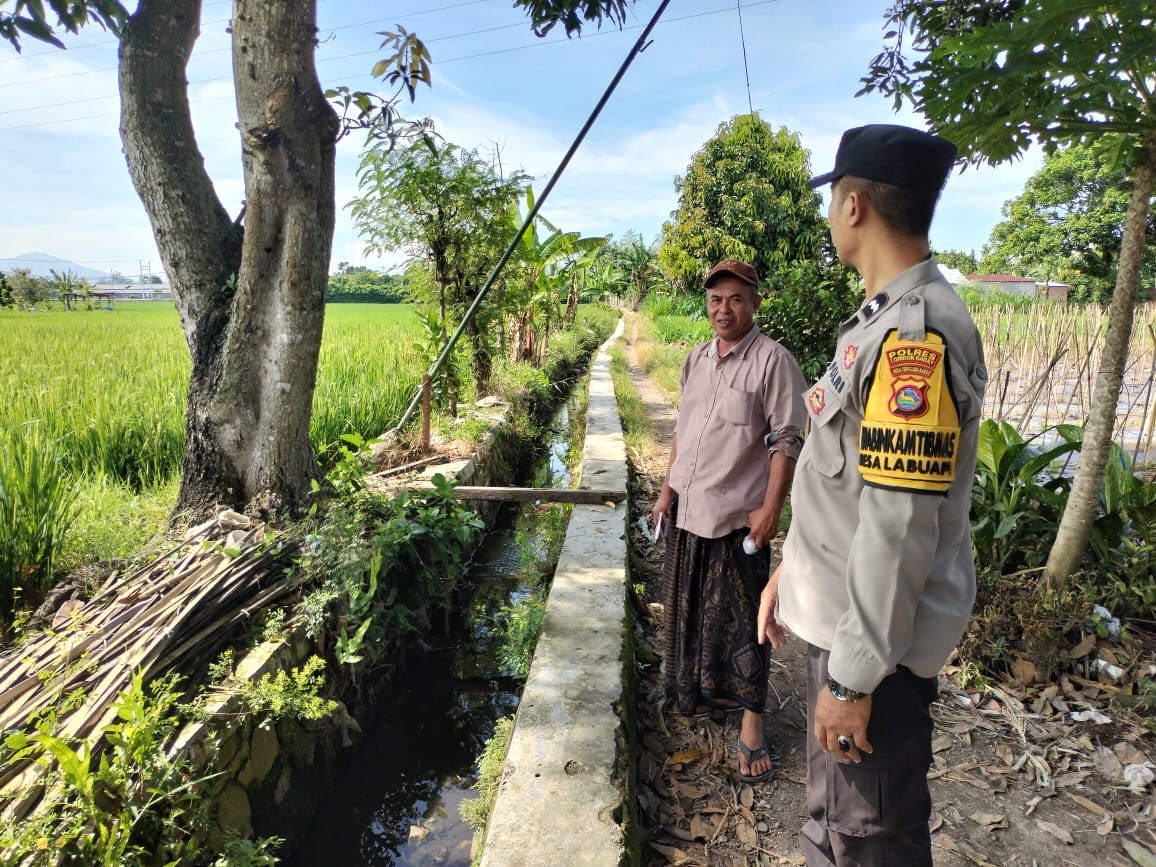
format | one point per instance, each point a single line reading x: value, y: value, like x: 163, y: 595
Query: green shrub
x: 802, y: 308
x: 1016, y: 503
x: 130, y: 806
x: 381, y: 564
x: 1018, y: 497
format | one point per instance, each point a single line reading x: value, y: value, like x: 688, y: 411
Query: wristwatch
x: 843, y: 693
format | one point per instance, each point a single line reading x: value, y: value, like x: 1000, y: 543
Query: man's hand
x: 769, y: 629
x: 662, y: 505
x: 764, y: 524
x: 835, y: 719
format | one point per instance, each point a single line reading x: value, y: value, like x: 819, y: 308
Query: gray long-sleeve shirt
x: 877, y: 566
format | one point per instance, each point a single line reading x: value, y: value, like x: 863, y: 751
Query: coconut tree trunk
x: 251, y: 301
x: 1083, y: 502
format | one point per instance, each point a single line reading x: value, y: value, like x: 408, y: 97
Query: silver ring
x: 845, y: 743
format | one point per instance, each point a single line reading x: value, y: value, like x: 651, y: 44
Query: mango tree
x: 745, y: 195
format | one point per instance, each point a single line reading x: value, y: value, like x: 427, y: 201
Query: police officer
x: 877, y: 574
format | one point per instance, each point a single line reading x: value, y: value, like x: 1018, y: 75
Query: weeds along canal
x: 397, y: 796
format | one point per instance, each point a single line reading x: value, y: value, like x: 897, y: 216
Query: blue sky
x: 67, y: 190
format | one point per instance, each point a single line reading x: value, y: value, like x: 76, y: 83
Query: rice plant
x: 37, y: 505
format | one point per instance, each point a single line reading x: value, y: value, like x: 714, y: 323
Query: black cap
x: 890, y: 154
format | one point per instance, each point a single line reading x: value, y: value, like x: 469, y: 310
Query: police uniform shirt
x: 877, y: 566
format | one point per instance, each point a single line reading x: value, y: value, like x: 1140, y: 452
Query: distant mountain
x: 41, y: 264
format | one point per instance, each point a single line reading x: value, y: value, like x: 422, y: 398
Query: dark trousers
x: 873, y: 814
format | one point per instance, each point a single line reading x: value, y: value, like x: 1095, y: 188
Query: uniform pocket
x: 737, y: 407
x: 824, y: 448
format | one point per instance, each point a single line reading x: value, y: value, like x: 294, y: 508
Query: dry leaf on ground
x: 1061, y: 834
x: 1142, y: 855
x: 962, y: 847
x: 990, y: 821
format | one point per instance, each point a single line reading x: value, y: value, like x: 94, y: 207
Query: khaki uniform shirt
x: 877, y: 566
x: 736, y: 409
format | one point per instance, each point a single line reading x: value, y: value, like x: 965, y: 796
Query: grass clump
x: 660, y: 361
x: 637, y: 431
x: 476, y: 811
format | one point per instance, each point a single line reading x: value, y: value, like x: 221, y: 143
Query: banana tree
x: 637, y: 267
x: 533, y: 296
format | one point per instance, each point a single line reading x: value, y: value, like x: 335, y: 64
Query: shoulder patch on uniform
x: 849, y: 355
x: 910, y: 431
x: 877, y: 303
x: 816, y: 400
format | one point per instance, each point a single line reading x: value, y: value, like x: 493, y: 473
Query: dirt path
x: 1016, y: 782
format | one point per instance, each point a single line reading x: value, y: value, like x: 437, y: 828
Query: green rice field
x: 110, y: 386
x: 108, y: 389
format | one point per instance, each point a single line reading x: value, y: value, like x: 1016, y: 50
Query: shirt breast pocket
x: 737, y: 407
x: 825, y: 442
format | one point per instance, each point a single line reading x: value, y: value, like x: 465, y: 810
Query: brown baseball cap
x: 735, y: 268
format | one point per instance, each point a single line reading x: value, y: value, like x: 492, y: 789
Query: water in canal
x: 396, y: 799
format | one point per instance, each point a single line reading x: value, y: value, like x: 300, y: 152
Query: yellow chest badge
x: 910, y: 428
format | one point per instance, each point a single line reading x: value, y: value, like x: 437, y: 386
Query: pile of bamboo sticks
x: 175, y: 613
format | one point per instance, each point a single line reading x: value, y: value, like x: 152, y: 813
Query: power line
x: 206, y: 52
x: 746, y: 69
x: 23, y: 56
x: 437, y: 62
x: 322, y: 60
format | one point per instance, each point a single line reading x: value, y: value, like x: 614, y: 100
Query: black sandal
x: 753, y: 756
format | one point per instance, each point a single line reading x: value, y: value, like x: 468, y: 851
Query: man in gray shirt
x: 877, y: 574
x: 731, y: 462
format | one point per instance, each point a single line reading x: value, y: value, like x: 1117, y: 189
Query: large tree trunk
x: 251, y: 302
x: 1083, y: 502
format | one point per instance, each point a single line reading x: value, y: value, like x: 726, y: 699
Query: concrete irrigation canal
x: 397, y: 800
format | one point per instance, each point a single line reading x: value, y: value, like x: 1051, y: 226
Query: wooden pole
x: 547, y: 495
x: 425, y: 408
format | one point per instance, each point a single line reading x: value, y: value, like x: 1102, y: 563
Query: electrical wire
x: 746, y: 69
x: 23, y: 56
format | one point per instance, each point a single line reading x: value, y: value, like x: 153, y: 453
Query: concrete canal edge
x: 567, y: 786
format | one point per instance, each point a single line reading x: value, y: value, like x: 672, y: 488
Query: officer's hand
x: 847, y: 718
x: 769, y: 629
x: 764, y: 525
